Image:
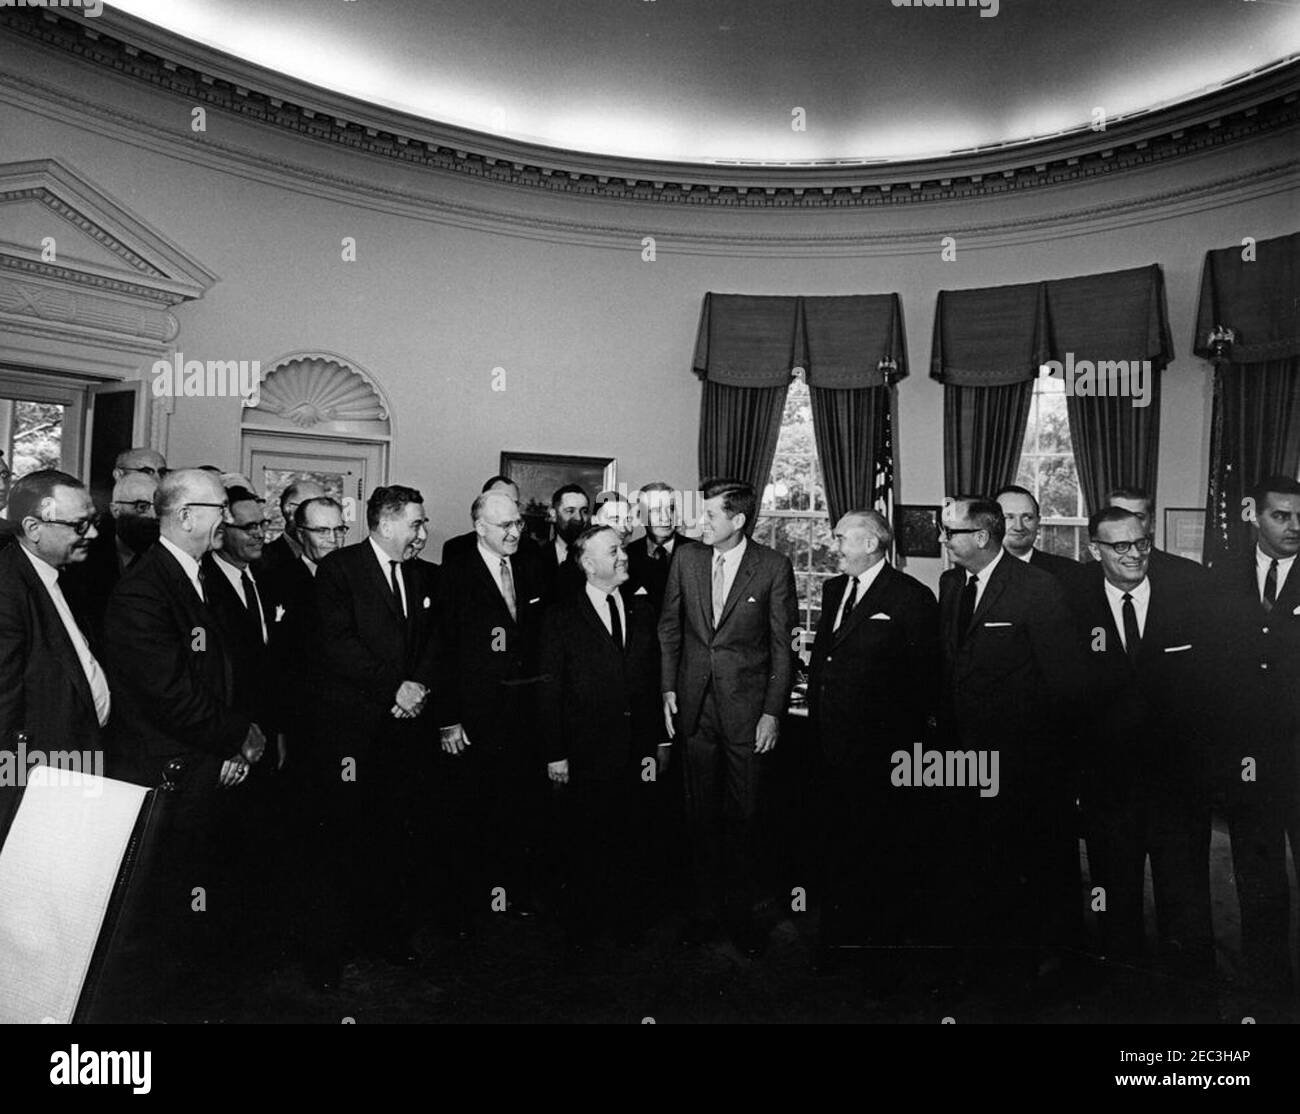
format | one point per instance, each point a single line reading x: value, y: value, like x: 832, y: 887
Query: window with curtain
x: 1048, y: 469
x: 793, y: 517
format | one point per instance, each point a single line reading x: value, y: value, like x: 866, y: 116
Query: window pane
x: 792, y: 540
x: 823, y: 556
x: 1067, y: 541
x: 763, y: 529
x: 1059, y: 494
x: 38, y: 437
x: 1053, y: 425
x: 1031, y: 429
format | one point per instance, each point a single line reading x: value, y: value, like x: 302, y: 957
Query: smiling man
x: 1147, y: 742
x: 725, y: 636
x: 1020, y: 509
x: 599, y: 710
x: 51, y: 685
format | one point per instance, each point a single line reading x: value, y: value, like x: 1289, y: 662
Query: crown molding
x: 137, y: 51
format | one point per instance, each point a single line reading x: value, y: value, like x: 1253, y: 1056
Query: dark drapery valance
x: 998, y: 335
x: 748, y: 340
x: 1252, y: 289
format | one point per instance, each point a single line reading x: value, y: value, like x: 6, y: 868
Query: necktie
x: 657, y: 554
x: 508, y: 588
x: 203, y: 595
x: 719, y: 592
x: 397, y: 591
x: 1132, y: 639
x: 849, y: 600
x: 966, y: 606
x: 1270, y: 587
x: 615, y: 623
x: 254, y: 603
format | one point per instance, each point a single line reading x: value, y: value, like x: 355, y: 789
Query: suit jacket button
x: 829, y: 658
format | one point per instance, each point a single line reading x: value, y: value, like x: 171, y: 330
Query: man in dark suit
x: 1137, y: 501
x: 1146, y: 746
x: 52, y: 688
x: 571, y: 513
x: 286, y: 549
x: 491, y: 768
x: 649, y: 556
x: 872, y: 688
x: 599, y: 710
x: 467, y: 542
x: 172, y: 681
x: 1020, y: 509
x: 1257, y: 596
x: 130, y: 528
x: 372, y: 766
x: 725, y: 634
x: 1012, y: 675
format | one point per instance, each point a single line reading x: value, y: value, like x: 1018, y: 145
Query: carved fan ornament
x: 312, y: 390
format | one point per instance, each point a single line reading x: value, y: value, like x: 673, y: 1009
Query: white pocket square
x: 751, y: 600
x: 880, y: 615
x: 1295, y: 610
x: 536, y: 599
x: 640, y: 592
x: 1175, y: 649
x: 428, y: 603
x: 279, y: 612
x: 997, y: 624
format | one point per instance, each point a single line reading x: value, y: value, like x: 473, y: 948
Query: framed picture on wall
x: 539, y: 474
x: 916, y: 530
x: 1185, y: 532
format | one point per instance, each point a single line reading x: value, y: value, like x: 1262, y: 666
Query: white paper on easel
x: 57, y: 870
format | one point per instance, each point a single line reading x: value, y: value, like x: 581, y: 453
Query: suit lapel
x: 865, y: 605
x: 1289, y: 598
x: 489, y: 584
x: 704, y: 593
x: 740, y: 585
x: 61, y: 642
x: 993, y: 590
x: 381, y: 584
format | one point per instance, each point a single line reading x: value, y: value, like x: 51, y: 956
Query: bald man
x: 873, y: 684
x: 287, y: 548
x: 148, y: 461
x: 132, y: 527
x: 170, y: 672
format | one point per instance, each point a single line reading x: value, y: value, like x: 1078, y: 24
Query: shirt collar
x: 48, y: 573
x: 311, y: 565
x: 1027, y: 558
x: 232, y: 574
x: 1139, y: 594
x: 868, y: 578
x: 731, y: 558
x: 598, y: 596
x: 491, y: 559
x: 187, y: 563
x: 986, y: 572
x: 382, y: 557
x: 1263, y: 560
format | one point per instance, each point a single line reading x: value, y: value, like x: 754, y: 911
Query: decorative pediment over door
x: 86, y: 286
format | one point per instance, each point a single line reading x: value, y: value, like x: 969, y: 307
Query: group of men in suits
x: 385, y: 742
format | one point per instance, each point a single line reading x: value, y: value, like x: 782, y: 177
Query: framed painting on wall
x: 539, y: 474
x: 1185, y: 532
x: 917, y: 530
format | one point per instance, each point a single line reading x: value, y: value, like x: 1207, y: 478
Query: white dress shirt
x: 1262, y: 562
x: 94, y: 675
x: 561, y: 550
x: 730, y: 566
x: 493, y: 562
x: 598, y: 597
x: 235, y: 576
x: 864, y: 581
x: 1141, y: 602
x: 386, y: 568
x: 187, y: 563
x: 651, y: 545
x: 985, y: 574
x: 311, y: 565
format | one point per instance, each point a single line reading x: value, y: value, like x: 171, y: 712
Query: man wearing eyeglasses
x: 491, y: 765
x: 147, y: 462
x: 52, y: 687
x: 370, y: 763
x: 1011, y: 674
x: 171, y: 670
x: 130, y: 529
x: 1137, y: 501
x: 287, y: 548
x: 1146, y: 745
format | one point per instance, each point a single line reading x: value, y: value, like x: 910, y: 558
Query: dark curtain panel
x: 739, y: 427
x: 850, y: 428
x: 1256, y: 434
x: 1115, y: 443
x: 984, y: 431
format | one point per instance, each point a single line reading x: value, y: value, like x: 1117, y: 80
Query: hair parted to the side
x: 387, y: 502
x: 738, y: 497
x: 31, y: 490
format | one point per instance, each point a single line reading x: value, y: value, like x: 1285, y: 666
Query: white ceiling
x: 718, y: 80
